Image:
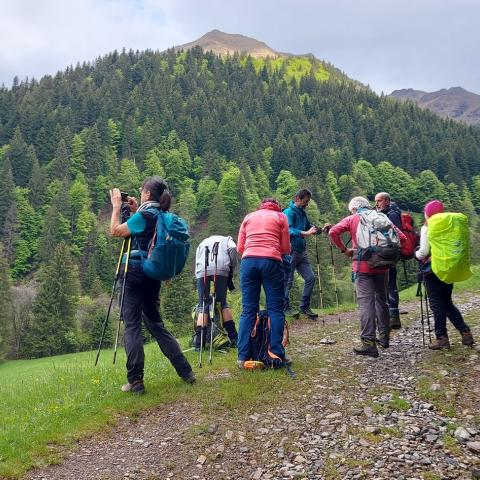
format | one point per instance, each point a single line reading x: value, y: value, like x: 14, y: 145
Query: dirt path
x: 344, y: 417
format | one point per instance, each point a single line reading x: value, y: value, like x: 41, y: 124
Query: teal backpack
x: 169, y: 247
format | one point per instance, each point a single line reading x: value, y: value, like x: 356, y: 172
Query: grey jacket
x: 227, y: 256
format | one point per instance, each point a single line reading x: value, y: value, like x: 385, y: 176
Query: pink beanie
x: 433, y: 207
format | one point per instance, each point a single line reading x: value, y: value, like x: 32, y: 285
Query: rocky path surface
x: 343, y: 418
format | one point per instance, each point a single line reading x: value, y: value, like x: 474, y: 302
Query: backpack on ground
x: 377, y: 239
x: 407, y: 251
x: 449, y: 240
x: 169, y: 247
x: 260, y: 342
x: 220, y: 337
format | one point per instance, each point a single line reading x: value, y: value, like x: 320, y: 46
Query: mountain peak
x: 455, y: 102
x: 223, y: 43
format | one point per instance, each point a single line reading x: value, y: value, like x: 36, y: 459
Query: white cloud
x: 40, y: 37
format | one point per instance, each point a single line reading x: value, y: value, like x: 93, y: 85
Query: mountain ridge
x: 455, y: 102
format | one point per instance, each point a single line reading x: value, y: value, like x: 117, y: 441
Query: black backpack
x: 260, y: 342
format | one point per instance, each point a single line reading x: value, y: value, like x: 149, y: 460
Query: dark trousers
x: 220, y: 291
x: 392, y: 290
x: 300, y: 263
x: 255, y: 272
x: 440, y: 299
x: 142, y: 301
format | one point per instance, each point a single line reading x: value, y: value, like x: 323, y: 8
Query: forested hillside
x: 224, y: 132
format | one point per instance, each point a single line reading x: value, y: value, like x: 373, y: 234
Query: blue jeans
x: 255, y: 272
x: 300, y: 263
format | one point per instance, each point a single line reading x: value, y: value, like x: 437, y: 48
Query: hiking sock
x: 231, y: 330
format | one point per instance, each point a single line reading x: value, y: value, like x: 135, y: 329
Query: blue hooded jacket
x: 297, y: 222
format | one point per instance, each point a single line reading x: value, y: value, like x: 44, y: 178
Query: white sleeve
x: 424, y: 249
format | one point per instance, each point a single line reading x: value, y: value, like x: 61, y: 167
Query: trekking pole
x: 420, y: 294
x: 207, y: 251
x: 333, y: 275
x: 354, y: 291
x: 120, y: 317
x: 214, y: 299
x: 428, y: 313
x: 318, y: 274
x: 105, y: 322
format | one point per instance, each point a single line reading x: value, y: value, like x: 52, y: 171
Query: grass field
x: 53, y: 401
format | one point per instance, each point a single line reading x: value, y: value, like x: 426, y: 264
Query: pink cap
x: 433, y: 207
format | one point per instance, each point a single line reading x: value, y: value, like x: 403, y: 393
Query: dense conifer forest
x: 224, y: 132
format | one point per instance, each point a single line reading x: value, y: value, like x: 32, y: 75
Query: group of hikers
x: 273, y: 246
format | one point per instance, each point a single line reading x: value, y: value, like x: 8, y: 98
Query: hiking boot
x: 287, y: 360
x: 309, y: 313
x: 241, y: 364
x: 395, y: 323
x: 383, y: 340
x: 136, y: 387
x: 440, y: 344
x: 467, y: 338
x: 290, y: 312
x: 368, y: 347
x: 190, y: 378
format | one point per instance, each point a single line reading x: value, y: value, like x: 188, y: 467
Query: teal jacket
x: 297, y: 222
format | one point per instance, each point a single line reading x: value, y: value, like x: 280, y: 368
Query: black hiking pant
x: 440, y: 299
x: 142, y: 300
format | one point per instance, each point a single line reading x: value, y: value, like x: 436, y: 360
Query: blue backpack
x: 169, y: 247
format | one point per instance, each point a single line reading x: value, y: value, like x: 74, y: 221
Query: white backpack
x: 377, y: 239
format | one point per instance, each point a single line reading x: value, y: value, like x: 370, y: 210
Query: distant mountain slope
x: 227, y: 43
x: 456, y: 103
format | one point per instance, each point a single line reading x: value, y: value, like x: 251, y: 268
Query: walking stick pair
x: 422, y: 293
x: 128, y: 242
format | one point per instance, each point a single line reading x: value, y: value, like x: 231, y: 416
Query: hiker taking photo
x: 141, y: 293
x: 384, y: 205
x: 444, y: 258
x: 262, y: 240
x: 300, y: 228
x: 376, y: 243
x: 215, y: 261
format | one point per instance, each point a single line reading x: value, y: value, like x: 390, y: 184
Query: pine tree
x: 20, y: 160
x: 6, y: 306
x: 94, y: 156
x: 53, y: 328
x: 37, y: 185
x: 206, y: 191
x: 178, y: 298
x: 60, y: 166
x: 187, y: 203
x: 218, y: 223
x: 7, y: 189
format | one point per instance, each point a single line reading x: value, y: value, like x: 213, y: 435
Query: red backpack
x: 413, y: 239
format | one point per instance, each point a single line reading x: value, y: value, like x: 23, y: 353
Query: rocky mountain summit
x: 456, y: 103
x: 227, y: 44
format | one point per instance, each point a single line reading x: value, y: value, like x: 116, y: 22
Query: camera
x: 124, y: 196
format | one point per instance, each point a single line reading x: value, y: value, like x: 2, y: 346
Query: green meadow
x: 54, y: 401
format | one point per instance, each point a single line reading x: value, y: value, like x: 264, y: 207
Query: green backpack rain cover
x: 449, y: 240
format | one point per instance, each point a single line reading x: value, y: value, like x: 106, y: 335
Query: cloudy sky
x: 422, y: 44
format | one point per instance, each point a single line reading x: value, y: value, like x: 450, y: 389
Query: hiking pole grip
x: 105, y: 322
x: 120, y: 317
